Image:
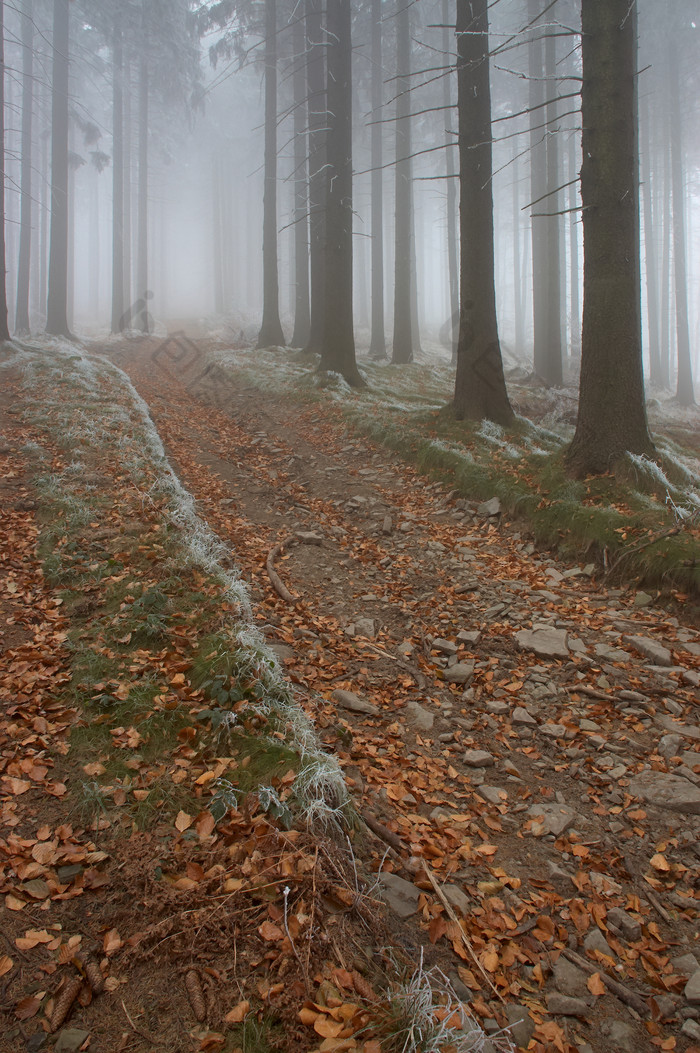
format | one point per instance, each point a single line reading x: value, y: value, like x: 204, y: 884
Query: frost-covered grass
x: 97, y: 419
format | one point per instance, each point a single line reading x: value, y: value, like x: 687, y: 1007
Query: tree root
x: 300, y: 538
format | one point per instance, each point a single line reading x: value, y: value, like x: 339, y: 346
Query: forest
x: 349, y: 526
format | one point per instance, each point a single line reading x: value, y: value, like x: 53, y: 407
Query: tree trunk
x: 56, y: 311
x: 339, y: 341
x: 684, y: 383
x: 218, y: 221
x: 574, y: 250
x: 118, y: 304
x: 612, y: 413
x: 4, y: 331
x: 664, y: 204
x: 94, y: 290
x: 271, y: 329
x: 553, y: 346
x: 403, y: 330
x: 128, y: 211
x: 480, y: 389
x: 377, y: 346
x: 451, y: 191
x: 142, y: 290
x: 650, y: 254
x: 315, y: 77
x: 22, y: 325
x: 538, y: 188
x: 302, y: 317
x: 519, y: 327
x: 44, y: 225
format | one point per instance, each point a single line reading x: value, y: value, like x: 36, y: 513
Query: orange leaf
x: 595, y: 985
x: 12, y: 903
x: 327, y: 1028
x: 183, y: 822
x: 205, y: 825
x: 659, y: 862
x: 307, y: 1015
x: 486, y: 850
x: 238, y: 1013
x: 16, y: 786
x: 5, y: 964
x: 489, y: 960
x: 269, y: 931
x: 28, y: 1007
x: 112, y: 942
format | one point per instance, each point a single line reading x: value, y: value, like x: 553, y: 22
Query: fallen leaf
x: 28, y: 1007
x: 112, y: 942
x: 238, y: 1014
x: 595, y: 985
x: 183, y: 822
x: 5, y: 964
x: 12, y: 903
x: 327, y: 1028
x: 269, y: 931
x: 659, y: 862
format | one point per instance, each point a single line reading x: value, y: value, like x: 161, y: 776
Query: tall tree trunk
x: 44, y: 226
x: 403, y: 329
x: 128, y: 189
x: 538, y: 188
x: 552, y: 351
x: 339, y: 341
x: 684, y: 383
x: 118, y: 304
x: 271, y: 329
x: 377, y: 345
x: 316, y: 85
x: 480, y: 389
x: 664, y: 206
x: 4, y: 331
x: 95, y: 247
x: 142, y: 289
x: 612, y: 413
x: 575, y: 278
x: 25, y: 236
x: 302, y: 317
x: 650, y: 249
x: 451, y: 164
x: 56, y: 316
x: 218, y: 221
x: 519, y: 322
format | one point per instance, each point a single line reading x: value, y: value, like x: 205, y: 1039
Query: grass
x: 406, y: 409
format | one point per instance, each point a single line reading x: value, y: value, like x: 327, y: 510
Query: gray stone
x: 630, y: 928
x: 643, y: 599
x: 365, y: 627
x: 420, y: 717
x: 670, y: 792
x: 611, y: 654
x: 387, y: 525
x: 349, y: 700
x: 685, y: 964
x: 688, y: 731
x: 457, y: 898
x: 690, y: 676
x: 651, y: 649
x: 565, y: 1005
x: 490, y: 508
x: 621, y: 1036
x: 469, y: 636
x: 444, y: 646
x: 70, y: 1040
x: 399, y: 894
x: 691, y: 1028
x: 569, y: 979
x: 553, y: 731
x: 551, y: 819
x: 460, y: 673
x: 520, y: 1025
x: 670, y: 745
x: 595, y: 941
x: 68, y: 873
x: 521, y: 716
x: 283, y: 651
x: 497, y: 707
x: 37, y: 1042
x: 478, y: 759
x: 691, y: 992
x: 493, y: 794
x: 547, y: 643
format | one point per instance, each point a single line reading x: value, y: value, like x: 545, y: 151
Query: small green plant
x: 257, y: 1034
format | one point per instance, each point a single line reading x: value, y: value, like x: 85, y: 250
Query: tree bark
x: 538, y: 188
x: 4, y: 331
x: 118, y: 304
x: 574, y: 251
x: 612, y: 413
x: 315, y: 77
x: 22, y: 325
x: 402, y: 351
x: 339, y: 342
x: 271, y: 329
x: 142, y: 290
x: 551, y: 204
x: 377, y: 346
x: 685, y: 394
x: 650, y: 250
x: 451, y: 191
x: 480, y: 389
x: 56, y: 311
x: 302, y: 316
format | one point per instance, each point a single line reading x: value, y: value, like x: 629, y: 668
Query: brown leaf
x: 659, y: 862
x: 183, y: 821
x: 238, y: 1014
x: 28, y: 1007
x: 6, y: 964
x: 269, y: 931
x: 112, y: 942
x: 595, y: 985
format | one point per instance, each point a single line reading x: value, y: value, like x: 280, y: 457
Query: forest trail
x: 530, y: 734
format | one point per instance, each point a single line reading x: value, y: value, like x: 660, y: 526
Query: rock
x: 37, y: 1042
x: 685, y: 964
x: 553, y: 731
x: 521, y: 716
x: 70, y: 1040
x: 399, y: 894
x: 493, y: 794
x: 460, y: 673
x: 520, y: 1025
x: 468, y: 636
x: 565, y: 1005
x: 460, y: 988
x: 671, y: 792
x: 283, y: 651
x: 651, y: 649
x: 349, y: 700
x: 551, y: 819
x: 611, y: 654
x: 621, y: 1037
x: 688, y: 731
x: 478, y: 759
x: 490, y: 508
x: 419, y: 717
x: 365, y: 627
x: 670, y: 745
x: 387, y: 525
x: 457, y: 898
x: 690, y: 676
x: 68, y: 873
x: 444, y: 646
x: 569, y: 979
x: 595, y: 941
x: 691, y: 1028
x: 547, y: 643
x: 495, y: 706
x: 691, y: 992
x: 630, y: 928
x: 588, y: 725
x: 643, y: 599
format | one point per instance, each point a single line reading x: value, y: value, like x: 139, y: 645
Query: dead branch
x: 300, y: 538
x: 629, y: 997
x: 382, y: 832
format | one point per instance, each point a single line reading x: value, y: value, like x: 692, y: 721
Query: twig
x: 450, y: 911
x: 630, y: 998
x: 278, y: 585
x: 137, y: 1030
x: 642, y: 545
x: 383, y: 832
x: 660, y: 910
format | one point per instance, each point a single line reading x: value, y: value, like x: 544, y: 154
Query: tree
x: 271, y: 328
x: 315, y: 78
x: 338, y: 340
x: 451, y: 195
x: 57, y: 305
x: 4, y: 331
x: 25, y: 235
x: 302, y: 319
x: 403, y: 329
x: 377, y: 346
x: 480, y: 389
x: 142, y: 245
x: 118, y: 305
x: 612, y: 413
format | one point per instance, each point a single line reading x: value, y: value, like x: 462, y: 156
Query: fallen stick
x: 630, y: 998
x: 383, y: 832
x: 301, y: 538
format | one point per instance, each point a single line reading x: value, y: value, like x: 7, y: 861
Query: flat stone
x: 521, y: 716
x: 478, y: 759
x: 460, y: 673
x: 569, y: 979
x: 68, y: 873
x: 444, y: 646
x: 70, y: 1040
x: 595, y: 941
x: 469, y: 636
x: 365, y: 627
x: 691, y: 992
x: 565, y: 1005
x: 400, y: 895
x: 670, y: 745
x: 387, y: 525
x: 611, y: 654
x: 691, y: 1028
x: 651, y: 649
x: 497, y: 707
x: 349, y: 700
x: 283, y: 651
x: 643, y: 599
x: 490, y: 508
x: 520, y: 1024
x: 621, y: 1036
x: 685, y: 964
x: 671, y: 792
x: 493, y: 794
x: 457, y: 898
x: 551, y: 819
x: 547, y: 643
x: 419, y: 717
x: 688, y: 731
x: 553, y: 731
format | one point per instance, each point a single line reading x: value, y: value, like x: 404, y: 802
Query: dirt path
x: 530, y: 736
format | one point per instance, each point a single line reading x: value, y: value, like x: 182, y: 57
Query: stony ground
x: 522, y: 743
